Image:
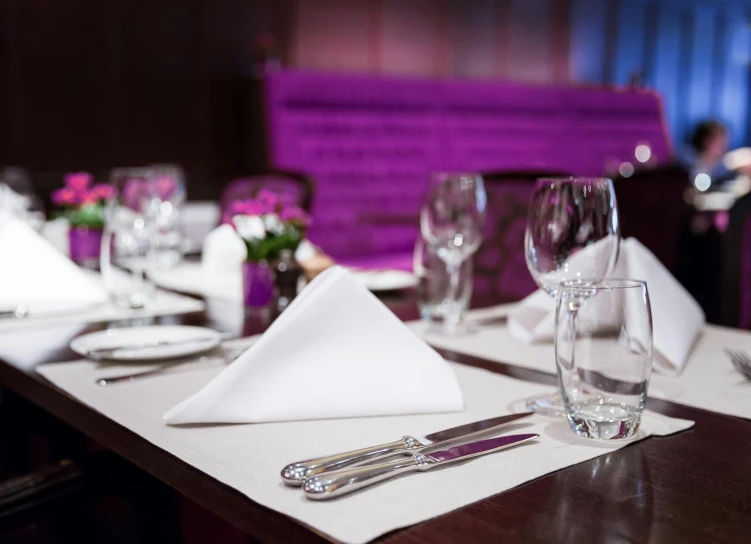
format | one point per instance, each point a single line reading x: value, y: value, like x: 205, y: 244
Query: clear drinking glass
x: 451, y: 221
x: 162, y: 201
x: 572, y: 233
x: 127, y: 253
x: 433, y: 285
x: 603, y: 353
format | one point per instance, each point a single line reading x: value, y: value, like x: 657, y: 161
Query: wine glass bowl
x: 572, y: 231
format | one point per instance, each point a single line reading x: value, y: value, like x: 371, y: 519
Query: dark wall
x: 92, y: 84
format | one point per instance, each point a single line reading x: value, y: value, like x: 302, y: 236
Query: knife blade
x: 335, y: 484
x: 295, y: 473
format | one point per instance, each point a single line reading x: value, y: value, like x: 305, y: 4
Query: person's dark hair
x: 703, y: 132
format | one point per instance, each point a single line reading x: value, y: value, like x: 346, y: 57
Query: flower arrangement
x: 82, y: 201
x: 267, y: 224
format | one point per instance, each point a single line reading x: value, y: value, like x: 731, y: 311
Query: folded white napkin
x: 38, y: 276
x: 677, y: 319
x: 336, y: 352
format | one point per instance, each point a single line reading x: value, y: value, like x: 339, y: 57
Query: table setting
x: 345, y: 418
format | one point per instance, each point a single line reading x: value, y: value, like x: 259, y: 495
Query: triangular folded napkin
x: 37, y: 276
x: 677, y: 319
x: 336, y: 352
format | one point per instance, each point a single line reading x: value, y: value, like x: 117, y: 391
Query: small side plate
x: 385, y: 280
x: 174, y: 341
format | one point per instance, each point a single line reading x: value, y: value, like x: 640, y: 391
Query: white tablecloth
x: 249, y: 457
x: 708, y: 381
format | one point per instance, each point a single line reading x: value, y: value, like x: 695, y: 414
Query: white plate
x: 385, y: 280
x: 178, y: 341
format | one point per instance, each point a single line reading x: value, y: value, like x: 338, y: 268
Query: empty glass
x: 433, y: 285
x: 127, y: 253
x: 451, y: 222
x: 161, y: 201
x: 603, y: 353
x: 572, y: 233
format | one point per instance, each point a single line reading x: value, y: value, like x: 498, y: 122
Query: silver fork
x: 741, y: 362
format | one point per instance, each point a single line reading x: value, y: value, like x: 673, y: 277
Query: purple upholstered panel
x: 369, y: 142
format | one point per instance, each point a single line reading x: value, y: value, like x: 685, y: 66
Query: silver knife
x: 336, y: 484
x: 296, y: 473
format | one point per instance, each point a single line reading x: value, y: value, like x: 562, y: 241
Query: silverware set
x: 340, y: 474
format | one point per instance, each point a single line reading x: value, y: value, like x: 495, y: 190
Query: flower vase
x: 258, y: 284
x: 85, y: 245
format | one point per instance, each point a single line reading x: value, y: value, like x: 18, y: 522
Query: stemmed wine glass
x: 451, y: 222
x: 572, y: 234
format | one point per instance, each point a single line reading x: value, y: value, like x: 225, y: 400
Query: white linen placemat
x: 250, y: 457
x: 708, y: 380
x: 165, y: 303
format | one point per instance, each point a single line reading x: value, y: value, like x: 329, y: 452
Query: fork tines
x: 741, y: 362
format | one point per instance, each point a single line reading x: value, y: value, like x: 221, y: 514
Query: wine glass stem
x: 454, y: 314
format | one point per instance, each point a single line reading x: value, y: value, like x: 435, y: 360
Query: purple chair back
x: 736, y: 266
x: 500, y: 269
x: 294, y: 188
x: 370, y: 142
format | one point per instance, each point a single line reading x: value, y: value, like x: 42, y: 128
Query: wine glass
x: 572, y: 234
x: 163, y: 198
x: 127, y: 254
x: 451, y: 221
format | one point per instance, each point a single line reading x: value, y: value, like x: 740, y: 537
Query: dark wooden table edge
x: 241, y: 511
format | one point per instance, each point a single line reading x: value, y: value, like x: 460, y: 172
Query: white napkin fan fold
x: 677, y: 319
x: 35, y: 274
x: 336, y: 352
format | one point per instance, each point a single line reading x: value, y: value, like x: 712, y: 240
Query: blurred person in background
x: 707, y: 148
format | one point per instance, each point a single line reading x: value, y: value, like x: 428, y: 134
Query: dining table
x: 694, y: 486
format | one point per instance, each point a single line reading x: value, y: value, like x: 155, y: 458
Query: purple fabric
x: 85, y: 244
x: 369, y: 142
x: 258, y: 284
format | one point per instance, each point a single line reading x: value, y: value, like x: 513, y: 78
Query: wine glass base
x: 546, y: 405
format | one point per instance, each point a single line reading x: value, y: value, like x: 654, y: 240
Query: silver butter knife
x: 296, y: 473
x: 336, y: 484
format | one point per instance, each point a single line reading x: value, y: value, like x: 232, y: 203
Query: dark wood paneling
x: 88, y: 84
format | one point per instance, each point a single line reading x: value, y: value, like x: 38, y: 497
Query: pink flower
x: 269, y: 200
x: 293, y: 214
x: 102, y: 191
x: 65, y: 197
x: 247, y: 207
x: 78, y: 181
x: 89, y: 198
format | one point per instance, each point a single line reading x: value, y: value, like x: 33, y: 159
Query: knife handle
x: 296, y: 473
x: 335, y: 484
